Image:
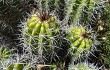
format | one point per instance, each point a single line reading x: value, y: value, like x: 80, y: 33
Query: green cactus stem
x: 80, y: 41
x: 4, y: 53
x: 82, y: 66
x: 75, y: 10
x: 41, y: 32
x: 10, y: 67
x: 19, y: 66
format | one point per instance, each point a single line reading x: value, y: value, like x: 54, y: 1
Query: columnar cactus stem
x: 51, y: 5
x: 41, y: 32
x: 79, y: 10
x: 76, y: 9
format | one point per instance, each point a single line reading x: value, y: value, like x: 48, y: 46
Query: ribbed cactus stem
x: 76, y: 9
x: 69, y: 9
x: 82, y: 66
x: 90, y: 8
x: 42, y: 4
x: 41, y: 31
x: 79, y: 41
x: 79, y: 10
x: 48, y: 4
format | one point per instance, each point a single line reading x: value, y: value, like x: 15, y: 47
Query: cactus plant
x: 41, y: 32
x: 76, y: 9
x: 18, y: 66
x: 4, y: 53
x: 80, y: 41
x: 82, y: 66
x: 51, y: 25
x: 105, y: 35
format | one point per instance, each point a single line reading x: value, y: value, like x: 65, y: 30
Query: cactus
x: 80, y: 41
x: 82, y: 66
x: 76, y: 9
x: 19, y: 66
x: 10, y: 67
x: 41, y: 33
x: 23, y: 66
x: 51, y: 25
x: 19, y: 62
x: 4, y: 53
x: 105, y: 35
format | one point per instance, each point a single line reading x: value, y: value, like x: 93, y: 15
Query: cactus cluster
x: 56, y: 34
